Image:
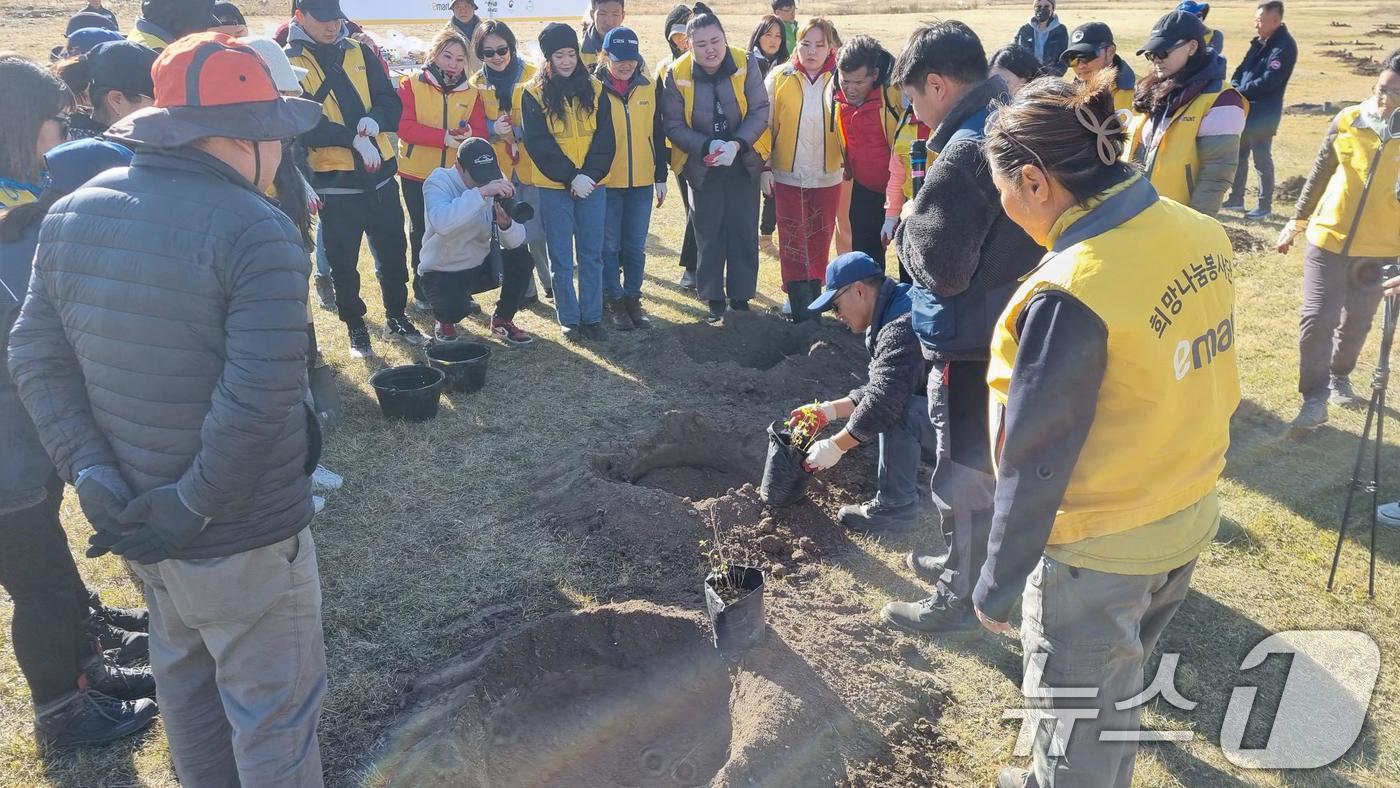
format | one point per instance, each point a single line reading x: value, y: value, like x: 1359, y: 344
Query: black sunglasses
x: 1083, y: 57
x: 1154, y: 57
x: 502, y: 52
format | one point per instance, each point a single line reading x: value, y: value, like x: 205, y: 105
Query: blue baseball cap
x: 848, y: 268
x: 82, y: 41
x: 72, y: 164
x: 621, y: 44
x: 1194, y: 8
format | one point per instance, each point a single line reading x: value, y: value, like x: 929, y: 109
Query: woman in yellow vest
x: 440, y: 109
x: 807, y: 166
x: 673, y: 28
x: 715, y: 112
x: 37, y: 105
x: 501, y: 82
x: 769, y: 48
x: 568, y: 126
x: 1113, y: 378
x: 638, y: 174
x: 1187, y: 132
x: 1351, y: 212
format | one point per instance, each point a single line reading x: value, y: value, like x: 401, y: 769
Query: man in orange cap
x: 162, y: 356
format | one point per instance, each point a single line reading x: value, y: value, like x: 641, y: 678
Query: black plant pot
x: 734, y: 602
x: 784, y: 478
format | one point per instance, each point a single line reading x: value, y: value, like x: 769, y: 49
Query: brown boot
x: 635, y: 313
x: 617, y: 314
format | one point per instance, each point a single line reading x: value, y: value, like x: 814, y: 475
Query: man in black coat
x: 1046, y: 36
x: 1262, y: 76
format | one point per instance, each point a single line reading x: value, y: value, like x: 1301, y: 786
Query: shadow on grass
x: 110, y: 764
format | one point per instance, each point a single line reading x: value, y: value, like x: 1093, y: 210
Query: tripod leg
x: 1352, y: 487
x: 1376, y: 487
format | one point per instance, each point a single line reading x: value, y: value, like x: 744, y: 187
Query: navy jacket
x: 1262, y: 76
x: 1056, y: 42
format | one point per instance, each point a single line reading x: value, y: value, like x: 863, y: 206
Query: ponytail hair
x: 702, y: 17
x: 1069, y: 131
x: 81, y: 75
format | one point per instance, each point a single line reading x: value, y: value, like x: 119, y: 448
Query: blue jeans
x: 323, y: 264
x: 571, y: 230
x: 902, y: 449
x: 625, y: 240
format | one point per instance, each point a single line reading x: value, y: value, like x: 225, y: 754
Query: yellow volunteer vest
x: 787, y: 116
x: 904, y: 136
x: 11, y: 197
x: 1162, y: 282
x: 1173, y: 165
x: 635, y: 161
x: 337, y: 159
x: 683, y: 70
x: 524, y: 168
x: 1123, y: 105
x: 573, y: 133
x: 147, y: 39
x: 1378, y: 231
x: 441, y: 110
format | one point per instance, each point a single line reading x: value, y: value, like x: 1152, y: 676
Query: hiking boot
x: 928, y: 568
x: 359, y: 342
x: 509, y: 333
x: 125, y: 648
x: 400, y: 329
x: 1262, y: 212
x: 571, y: 334
x: 688, y: 279
x: 136, y: 619
x: 874, y: 518
x: 102, y: 675
x: 1233, y: 205
x: 92, y: 718
x: 1343, y: 395
x: 635, y: 313
x: 617, y: 315
x: 739, y: 306
x: 1011, y: 777
x: 1312, y: 415
x: 716, y: 314
x: 593, y: 332
x: 325, y: 292
x: 941, y: 615
x: 446, y: 332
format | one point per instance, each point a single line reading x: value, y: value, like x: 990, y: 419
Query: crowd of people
x: 164, y: 194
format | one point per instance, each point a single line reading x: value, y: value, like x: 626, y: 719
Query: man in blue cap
x: 891, y: 407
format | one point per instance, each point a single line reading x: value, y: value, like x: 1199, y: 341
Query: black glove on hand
x: 102, y: 494
x: 158, y: 524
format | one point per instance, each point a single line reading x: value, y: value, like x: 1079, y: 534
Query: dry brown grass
x: 433, y: 524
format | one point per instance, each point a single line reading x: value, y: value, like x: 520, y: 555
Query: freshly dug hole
x: 749, y: 339
x: 691, y: 458
x: 628, y: 695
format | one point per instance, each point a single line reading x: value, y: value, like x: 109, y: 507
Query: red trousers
x: 806, y: 220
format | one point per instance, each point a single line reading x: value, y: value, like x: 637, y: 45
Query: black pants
x: 1259, y: 144
x: 962, y: 482
x: 768, y: 220
x: 413, y: 203
x: 690, y: 251
x: 51, y: 603
x: 725, y: 219
x: 347, y: 219
x: 450, y: 291
x: 867, y: 217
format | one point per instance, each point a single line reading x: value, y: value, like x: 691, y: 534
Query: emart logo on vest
x: 1197, y: 353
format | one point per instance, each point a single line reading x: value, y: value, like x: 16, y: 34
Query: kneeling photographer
x: 474, y: 241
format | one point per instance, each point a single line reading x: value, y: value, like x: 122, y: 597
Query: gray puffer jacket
x: 165, y: 333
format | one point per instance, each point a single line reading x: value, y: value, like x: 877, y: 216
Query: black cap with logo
x: 1087, y: 40
x: 1171, y: 29
x: 478, y: 159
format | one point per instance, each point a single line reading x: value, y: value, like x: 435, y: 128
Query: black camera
x: 518, y: 211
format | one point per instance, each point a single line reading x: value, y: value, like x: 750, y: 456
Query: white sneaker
x: 318, y: 503
x: 325, y: 479
x: 1388, y: 514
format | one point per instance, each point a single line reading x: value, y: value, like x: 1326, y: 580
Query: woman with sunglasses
x: 111, y: 81
x: 37, y: 106
x: 1349, y: 214
x: 1187, y: 131
x: 501, y: 81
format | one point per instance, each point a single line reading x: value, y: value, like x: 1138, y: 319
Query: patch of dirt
x: 1364, y: 65
x: 689, y: 457
x: 1386, y: 31
x: 1242, y: 240
x: 750, y: 339
x: 1289, y: 189
x: 1325, y: 109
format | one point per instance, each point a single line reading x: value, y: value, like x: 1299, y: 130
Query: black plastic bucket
x: 464, y: 364
x: 738, y: 623
x: 784, y: 478
x: 409, y: 393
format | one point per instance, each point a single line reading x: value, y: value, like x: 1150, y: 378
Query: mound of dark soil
x: 1289, y: 190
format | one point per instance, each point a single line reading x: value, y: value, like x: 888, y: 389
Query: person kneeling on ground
x: 459, y: 205
x: 891, y: 406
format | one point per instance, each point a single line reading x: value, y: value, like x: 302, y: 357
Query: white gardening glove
x: 1288, y: 234
x: 502, y: 127
x: 581, y: 186
x: 452, y: 141
x: 660, y: 194
x: 367, y: 150
x: 887, y: 230
x: 765, y: 182
x: 729, y: 151
x: 824, y: 455
x: 367, y: 127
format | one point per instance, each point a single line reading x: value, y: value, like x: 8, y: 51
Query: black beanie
x: 557, y: 36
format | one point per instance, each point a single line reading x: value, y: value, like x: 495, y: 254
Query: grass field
x: 435, y: 524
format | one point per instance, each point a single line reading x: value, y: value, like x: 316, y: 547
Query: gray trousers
x: 962, y: 484
x: 903, y: 448
x: 1340, y: 296
x: 1095, y: 630
x: 725, y: 217
x: 240, y: 665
